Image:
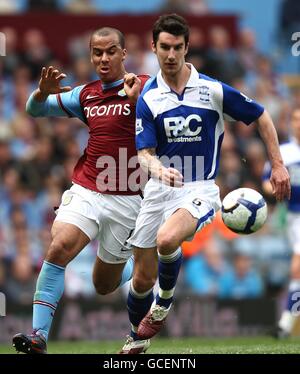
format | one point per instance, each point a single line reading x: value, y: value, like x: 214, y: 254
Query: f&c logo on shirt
x: 180, y: 126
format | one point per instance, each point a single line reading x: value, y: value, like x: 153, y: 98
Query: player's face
x: 170, y: 51
x: 295, y: 122
x: 107, y: 56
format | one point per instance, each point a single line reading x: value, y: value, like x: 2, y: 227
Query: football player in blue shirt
x: 291, y: 157
x: 179, y: 132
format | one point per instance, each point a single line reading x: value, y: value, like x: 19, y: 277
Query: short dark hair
x: 105, y: 31
x: 172, y: 24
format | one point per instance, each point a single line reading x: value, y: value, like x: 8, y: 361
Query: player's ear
x: 124, y: 54
x: 186, y: 49
x: 153, y: 46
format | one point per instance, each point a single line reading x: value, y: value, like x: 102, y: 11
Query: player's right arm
x: 153, y: 167
x: 50, y: 99
x: 146, y: 143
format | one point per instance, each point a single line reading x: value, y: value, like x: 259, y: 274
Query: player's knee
x: 166, y: 242
x: 295, y: 272
x: 58, y: 253
x: 295, y: 267
x: 104, y: 288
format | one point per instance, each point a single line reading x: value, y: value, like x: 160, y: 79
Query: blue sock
x: 168, y: 270
x: 49, y: 289
x: 127, y: 271
x: 138, y: 305
x: 293, y: 296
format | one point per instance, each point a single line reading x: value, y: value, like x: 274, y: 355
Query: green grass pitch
x: 260, y: 345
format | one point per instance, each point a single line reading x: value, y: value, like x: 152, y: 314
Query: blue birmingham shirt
x: 187, y: 130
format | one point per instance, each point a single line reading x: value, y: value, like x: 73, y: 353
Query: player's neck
x: 178, y: 82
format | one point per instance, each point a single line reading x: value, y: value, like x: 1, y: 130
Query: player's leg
x: 194, y: 209
x: 173, y: 232
x: 291, y: 312
x: 289, y: 315
x: 140, y: 297
x: 67, y: 241
x: 71, y: 232
x: 114, y: 265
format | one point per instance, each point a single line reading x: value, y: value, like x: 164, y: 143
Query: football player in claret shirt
x: 179, y: 132
x: 101, y: 203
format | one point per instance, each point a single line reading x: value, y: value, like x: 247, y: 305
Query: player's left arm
x: 279, y: 179
x: 239, y: 107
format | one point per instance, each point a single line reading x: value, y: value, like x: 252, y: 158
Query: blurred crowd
x: 103, y: 6
x: 37, y: 156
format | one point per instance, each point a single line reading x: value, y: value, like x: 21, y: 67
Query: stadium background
x: 229, y: 285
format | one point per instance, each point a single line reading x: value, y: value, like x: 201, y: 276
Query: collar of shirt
x: 192, y: 82
x: 106, y: 86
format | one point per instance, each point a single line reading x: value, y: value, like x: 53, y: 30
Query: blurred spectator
x: 222, y: 61
x: 24, y: 252
x: 12, y: 58
x: 246, y: 50
x: 275, y: 105
x: 205, y: 257
x: 9, y: 6
x: 242, y: 281
x: 174, y: 6
x: 23, y: 144
x: 42, y: 5
x: 289, y: 19
x: 203, y: 271
x: 81, y: 7
x: 232, y: 172
x: 185, y: 6
x: 255, y: 156
x: 133, y: 45
x: 264, y: 71
x: 197, y: 50
x: 36, y: 53
x: 6, y: 157
x: 82, y: 72
x: 149, y: 64
x: 79, y: 46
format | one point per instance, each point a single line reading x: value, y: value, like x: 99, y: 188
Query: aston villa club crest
x: 122, y: 92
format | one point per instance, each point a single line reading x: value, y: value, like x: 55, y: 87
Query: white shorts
x: 293, y: 231
x: 201, y: 199
x: 108, y: 218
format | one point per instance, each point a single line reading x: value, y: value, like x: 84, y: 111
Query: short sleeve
x: 239, y: 107
x: 145, y: 130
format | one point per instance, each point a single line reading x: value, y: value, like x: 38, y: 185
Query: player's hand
x: 171, y: 177
x: 280, y: 181
x: 132, y: 86
x: 50, y: 82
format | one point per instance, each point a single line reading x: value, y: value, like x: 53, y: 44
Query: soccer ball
x: 244, y: 210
